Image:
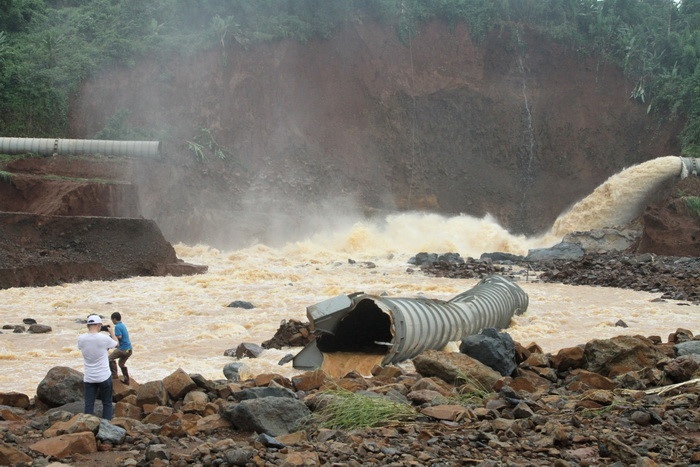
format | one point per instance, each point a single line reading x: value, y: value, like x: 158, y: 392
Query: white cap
x: 94, y: 319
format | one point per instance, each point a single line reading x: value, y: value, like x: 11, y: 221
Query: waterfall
x: 619, y: 199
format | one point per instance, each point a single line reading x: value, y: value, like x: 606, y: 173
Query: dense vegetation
x: 48, y: 46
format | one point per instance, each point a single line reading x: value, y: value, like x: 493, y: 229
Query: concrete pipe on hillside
x: 401, y: 328
x: 690, y: 166
x: 79, y: 147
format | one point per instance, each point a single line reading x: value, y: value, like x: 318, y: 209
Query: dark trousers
x: 105, y: 391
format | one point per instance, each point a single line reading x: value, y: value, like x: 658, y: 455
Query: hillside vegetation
x: 47, y: 47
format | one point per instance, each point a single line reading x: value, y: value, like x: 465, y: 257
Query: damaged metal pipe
x: 401, y: 328
x: 690, y: 166
x: 79, y: 147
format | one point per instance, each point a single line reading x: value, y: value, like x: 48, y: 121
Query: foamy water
x: 184, y: 322
x: 620, y: 198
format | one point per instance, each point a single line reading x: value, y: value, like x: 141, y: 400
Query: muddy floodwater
x: 184, y: 322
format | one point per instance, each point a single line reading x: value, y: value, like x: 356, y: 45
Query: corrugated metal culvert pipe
x: 79, y: 147
x: 401, y: 328
x: 691, y: 166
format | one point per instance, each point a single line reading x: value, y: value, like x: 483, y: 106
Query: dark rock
x: 683, y: 368
x: 241, y: 304
x: 39, y: 329
x: 270, y: 442
x: 494, y: 349
x: 231, y: 371
x: 272, y: 415
x: 109, y: 433
x: 687, y: 348
x: 286, y: 359
x: 246, y: 349
x: 259, y: 393
x: 561, y: 251
x: 239, y: 456
x: 291, y: 333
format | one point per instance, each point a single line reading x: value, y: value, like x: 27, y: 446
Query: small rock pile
x: 629, y: 400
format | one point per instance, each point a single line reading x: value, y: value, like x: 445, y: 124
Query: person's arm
x: 111, y: 334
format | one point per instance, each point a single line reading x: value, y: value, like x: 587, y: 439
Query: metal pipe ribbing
x: 79, y: 147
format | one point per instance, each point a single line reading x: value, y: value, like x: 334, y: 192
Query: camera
x: 105, y: 328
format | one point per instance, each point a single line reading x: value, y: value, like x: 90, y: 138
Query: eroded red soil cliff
x: 516, y: 126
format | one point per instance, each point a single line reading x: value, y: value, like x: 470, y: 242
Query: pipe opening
x: 359, y: 331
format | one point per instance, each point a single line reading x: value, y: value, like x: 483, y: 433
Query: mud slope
x: 516, y: 126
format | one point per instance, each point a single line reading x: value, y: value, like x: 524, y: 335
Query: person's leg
x: 123, y: 357
x: 90, y: 393
x: 113, y: 356
x: 106, y: 392
x: 113, y: 368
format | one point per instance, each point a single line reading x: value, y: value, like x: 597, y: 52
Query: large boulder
x: 61, y: 385
x: 456, y: 368
x: 621, y: 354
x: 493, y: 349
x: 272, y: 415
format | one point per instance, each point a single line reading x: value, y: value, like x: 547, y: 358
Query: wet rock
x: 249, y: 350
x: 39, y: 329
x: 241, y: 304
x: 291, y: 333
x: 231, y: 371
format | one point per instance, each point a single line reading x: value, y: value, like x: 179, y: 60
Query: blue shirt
x: 123, y: 336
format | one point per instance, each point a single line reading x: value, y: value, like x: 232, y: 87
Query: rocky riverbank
x: 676, y: 278
x: 629, y: 400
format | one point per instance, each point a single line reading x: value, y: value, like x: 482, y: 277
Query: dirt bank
x: 67, y: 219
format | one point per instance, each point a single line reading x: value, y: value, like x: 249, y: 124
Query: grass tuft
x: 346, y: 410
x: 471, y: 390
x: 693, y: 204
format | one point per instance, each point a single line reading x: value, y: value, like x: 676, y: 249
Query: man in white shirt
x: 97, y: 376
